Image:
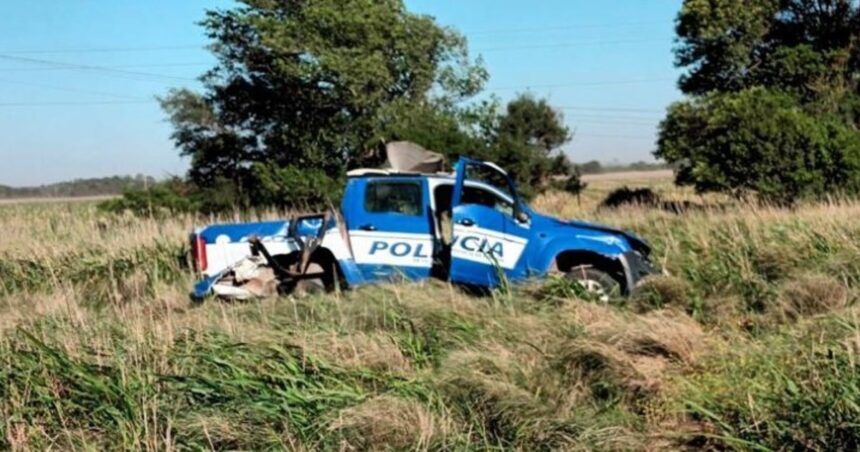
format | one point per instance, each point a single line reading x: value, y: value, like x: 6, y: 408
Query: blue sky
x: 607, y: 65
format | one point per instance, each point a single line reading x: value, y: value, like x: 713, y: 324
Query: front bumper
x: 636, y: 267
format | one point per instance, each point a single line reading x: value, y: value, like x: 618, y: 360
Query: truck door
x: 488, y: 239
x: 390, y: 227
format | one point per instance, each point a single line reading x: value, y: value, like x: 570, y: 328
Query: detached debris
x: 248, y: 278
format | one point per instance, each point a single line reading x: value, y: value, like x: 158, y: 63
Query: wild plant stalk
x: 750, y: 341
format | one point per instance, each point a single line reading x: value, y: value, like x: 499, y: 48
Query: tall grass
x: 750, y: 342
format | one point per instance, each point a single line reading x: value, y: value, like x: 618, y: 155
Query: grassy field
x: 750, y: 341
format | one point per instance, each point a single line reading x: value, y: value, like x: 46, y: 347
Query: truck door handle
x: 367, y: 227
x: 468, y: 222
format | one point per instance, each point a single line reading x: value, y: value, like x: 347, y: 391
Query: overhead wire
x: 96, y: 69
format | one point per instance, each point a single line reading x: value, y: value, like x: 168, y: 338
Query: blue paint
x: 543, y: 238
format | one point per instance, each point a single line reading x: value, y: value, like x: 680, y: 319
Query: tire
x: 598, y: 284
x: 325, y: 284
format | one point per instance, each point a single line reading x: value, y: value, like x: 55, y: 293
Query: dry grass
x: 750, y: 340
x: 390, y: 423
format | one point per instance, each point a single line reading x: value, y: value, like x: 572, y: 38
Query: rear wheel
x: 327, y: 280
x: 598, y: 284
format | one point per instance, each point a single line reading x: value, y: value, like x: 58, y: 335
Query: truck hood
x: 636, y: 242
x: 562, y: 226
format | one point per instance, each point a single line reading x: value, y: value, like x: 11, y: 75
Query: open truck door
x: 490, y: 232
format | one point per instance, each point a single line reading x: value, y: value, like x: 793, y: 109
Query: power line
x: 102, y: 50
x: 631, y: 119
x: 614, y: 136
x: 613, y: 123
x: 568, y: 45
x: 484, y: 32
x: 121, y: 66
x: 590, y: 83
x: 75, y: 103
x: 83, y: 67
x: 618, y: 109
x: 558, y: 28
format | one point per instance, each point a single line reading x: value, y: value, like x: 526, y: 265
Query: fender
x: 606, y: 246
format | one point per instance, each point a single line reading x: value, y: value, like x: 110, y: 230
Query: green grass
x: 751, y: 342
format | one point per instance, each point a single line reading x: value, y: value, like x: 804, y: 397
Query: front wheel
x: 597, y: 284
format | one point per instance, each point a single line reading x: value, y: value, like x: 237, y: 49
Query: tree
x: 526, y: 140
x: 750, y: 65
x: 591, y: 167
x: 758, y: 141
x: 806, y: 47
x: 311, y: 84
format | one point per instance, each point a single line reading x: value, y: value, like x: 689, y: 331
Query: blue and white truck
x: 470, y: 227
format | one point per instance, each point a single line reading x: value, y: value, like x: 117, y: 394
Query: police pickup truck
x: 470, y: 227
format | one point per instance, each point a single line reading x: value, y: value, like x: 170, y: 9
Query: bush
x: 759, y: 142
x: 293, y: 187
x: 268, y: 185
x: 170, y: 197
x: 626, y: 196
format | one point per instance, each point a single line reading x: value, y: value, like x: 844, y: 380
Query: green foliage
x: 293, y: 187
x: 312, y: 85
x: 786, y: 393
x: 526, y: 141
x: 304, y: 91
x: 760, y: 142
x: 802, y: 46
x: 574, y: 184
x: 170, y: 197
x: 775, y: 87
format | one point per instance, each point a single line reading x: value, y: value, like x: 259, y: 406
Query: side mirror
x: 522, y: 216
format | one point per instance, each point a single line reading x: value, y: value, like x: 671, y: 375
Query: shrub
x: 759, y: 142
x: 630, y: 196
x: 170, y: 197
x: 293, y: 187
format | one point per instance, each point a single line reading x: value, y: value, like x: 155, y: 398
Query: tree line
x: 98, y: 186
x: 305, y: 90
x: 773, y: 98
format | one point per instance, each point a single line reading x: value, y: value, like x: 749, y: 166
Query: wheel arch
x: 613, y: 264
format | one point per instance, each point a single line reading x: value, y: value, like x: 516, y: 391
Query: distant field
x: 629, y: 175
x: 56, y: 199
x: 749, y: 341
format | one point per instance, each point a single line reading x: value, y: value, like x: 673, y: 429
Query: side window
x: 475, y: 195
x: 400, y: 197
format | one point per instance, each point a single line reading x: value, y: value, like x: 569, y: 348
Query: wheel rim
x: 595, y: 289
